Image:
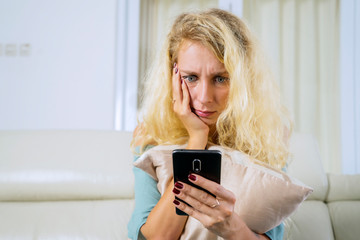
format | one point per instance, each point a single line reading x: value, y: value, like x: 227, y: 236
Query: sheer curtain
x: 301, y: 39
x: 350, y: 84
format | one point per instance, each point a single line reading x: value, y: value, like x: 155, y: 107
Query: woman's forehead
x: 194, y: 57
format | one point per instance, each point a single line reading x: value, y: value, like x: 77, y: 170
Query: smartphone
x: 206, y: 163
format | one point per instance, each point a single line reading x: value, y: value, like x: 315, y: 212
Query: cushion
x: 53, y: 165
x: 345, y: 218
x: 95, y: 219
x: 310, y: 221
x: 343, y: 187
x: 265, y: 196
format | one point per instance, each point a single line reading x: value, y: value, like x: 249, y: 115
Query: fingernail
x: 176, y: 70
x: 176, y: 191
x: 176, y: 202
x: 192, y: 177
x: 179, y: 185
x: 174, y: 64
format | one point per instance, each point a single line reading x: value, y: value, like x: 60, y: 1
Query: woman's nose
x: 206, y: 92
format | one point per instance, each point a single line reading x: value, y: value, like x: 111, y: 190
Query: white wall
x: 57, y: 64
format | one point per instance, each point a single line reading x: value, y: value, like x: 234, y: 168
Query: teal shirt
x: 147, y: 196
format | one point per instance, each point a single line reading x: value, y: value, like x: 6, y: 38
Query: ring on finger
x: 216, y: 204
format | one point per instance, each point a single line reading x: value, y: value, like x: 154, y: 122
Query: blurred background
x: 79, y: 64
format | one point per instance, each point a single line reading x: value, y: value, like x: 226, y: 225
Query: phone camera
x: 196, y: 165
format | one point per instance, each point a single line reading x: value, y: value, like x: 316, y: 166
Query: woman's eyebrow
x: 191, y: 72
x: 222, y: 73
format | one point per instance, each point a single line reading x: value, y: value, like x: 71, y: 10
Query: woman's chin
x: 209, y: 122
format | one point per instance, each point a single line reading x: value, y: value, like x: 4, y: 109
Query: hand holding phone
x: 206, y: 163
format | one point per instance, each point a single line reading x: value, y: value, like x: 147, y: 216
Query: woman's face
x: 206, y: 78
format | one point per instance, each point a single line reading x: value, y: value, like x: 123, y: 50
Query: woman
x: 209, y: 85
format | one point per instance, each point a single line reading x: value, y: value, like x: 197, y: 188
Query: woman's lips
x: 203, y: 113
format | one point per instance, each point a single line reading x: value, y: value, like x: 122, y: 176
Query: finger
x: 199, y: 199
x: 185, y: 93
x: 176, y: 86
x: 219, y: 191
x: 203, y: 218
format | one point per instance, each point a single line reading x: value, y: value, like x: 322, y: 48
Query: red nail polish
x: 176, y: 202
x: 192, y: 177
x: 179, y: 185
x: 176, y: 191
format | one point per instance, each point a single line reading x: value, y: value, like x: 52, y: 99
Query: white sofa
x: 79, y: 185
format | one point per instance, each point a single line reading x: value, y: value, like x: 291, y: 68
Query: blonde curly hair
x: 254, y: 120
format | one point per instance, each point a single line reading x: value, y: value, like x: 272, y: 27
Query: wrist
x: 239, y: 230
x: 197, y: 141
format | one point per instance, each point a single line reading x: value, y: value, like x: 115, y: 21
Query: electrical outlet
x: 10, y: 50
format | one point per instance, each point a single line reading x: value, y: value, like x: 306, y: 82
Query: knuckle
x: 220, y: 219
x: 213, y: 222
x: 183, y: 196
x: 208, y: 224
x: 197, y: 205
x: 203, y: 197
x: 190, y: 211
x: 233, y: 200
x: 227, y: 212
x: 218, y: 190
x: 182, y: 206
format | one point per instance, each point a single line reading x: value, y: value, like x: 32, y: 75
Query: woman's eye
x: 190, y: 78
x: 221, y: 79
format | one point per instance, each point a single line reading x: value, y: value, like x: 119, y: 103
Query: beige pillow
x: 265, y: 196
